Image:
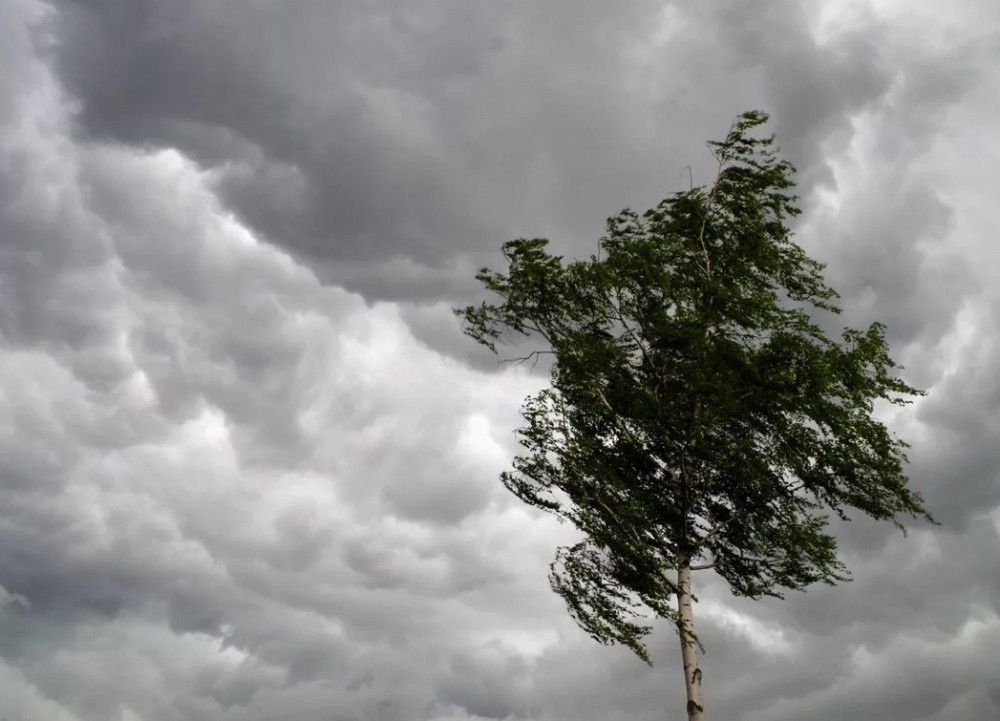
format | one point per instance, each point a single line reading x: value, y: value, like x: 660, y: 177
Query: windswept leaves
x: 696, y: 410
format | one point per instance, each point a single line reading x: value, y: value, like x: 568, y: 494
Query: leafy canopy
x: 697, y: 415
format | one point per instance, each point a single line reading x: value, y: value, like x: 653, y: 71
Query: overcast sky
x: 248, y: 464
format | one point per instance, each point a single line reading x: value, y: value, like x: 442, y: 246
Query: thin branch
x: 703, y: 567
x: 670, y: 582
x: 533, y: 356
x: 666, y: 577
x: 717, y: 528
x: 704, y: 221
x: 711, y: 199
x: 620, y: 317
x: 616, y: 519
x: 624, y: 428
x: 534, y: 327
x: 690, y: 176
x: 618, y: 418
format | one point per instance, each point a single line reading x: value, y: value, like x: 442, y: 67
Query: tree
x: 698, y: 417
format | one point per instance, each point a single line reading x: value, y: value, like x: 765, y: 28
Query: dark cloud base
x: 428, y: 133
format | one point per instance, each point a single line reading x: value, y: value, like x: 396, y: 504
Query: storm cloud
x: 248, y: 462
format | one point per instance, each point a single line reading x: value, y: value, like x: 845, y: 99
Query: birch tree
x: 698, y: 417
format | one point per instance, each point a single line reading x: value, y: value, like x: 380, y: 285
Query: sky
x: 249, y: 464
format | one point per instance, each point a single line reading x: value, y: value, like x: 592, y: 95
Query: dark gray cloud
x: 395, y: 147
x: 234, y: 489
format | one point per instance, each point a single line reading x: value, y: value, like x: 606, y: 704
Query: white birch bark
x: 689, y: 647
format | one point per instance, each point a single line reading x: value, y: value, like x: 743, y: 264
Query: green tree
x: 697, y: 417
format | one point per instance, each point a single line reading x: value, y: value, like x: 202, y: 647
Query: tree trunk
x: 689, y: 647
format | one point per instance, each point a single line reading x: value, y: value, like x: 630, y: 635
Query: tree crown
x: 697, y: 414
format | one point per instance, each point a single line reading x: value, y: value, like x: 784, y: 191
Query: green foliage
x: 697, y: 414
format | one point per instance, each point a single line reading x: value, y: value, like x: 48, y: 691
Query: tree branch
x: 717, y: 528
x: 620, y: 317
x: 533, y: 356
x: 708, y: 207
x: 624, y: 428
x: 671, y: 582
x: 535, y: 327
x: 618, y: 418
x: 616, y: 520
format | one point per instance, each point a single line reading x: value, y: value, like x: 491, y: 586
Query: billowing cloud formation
x: 392, y: 145
x: 248, y: 472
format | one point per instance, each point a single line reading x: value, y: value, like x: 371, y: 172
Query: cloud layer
x: 248, y: 464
